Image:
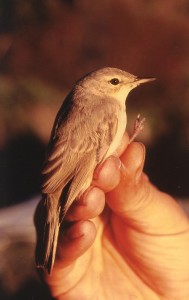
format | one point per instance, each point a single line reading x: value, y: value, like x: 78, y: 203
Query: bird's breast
x: 121, y: 127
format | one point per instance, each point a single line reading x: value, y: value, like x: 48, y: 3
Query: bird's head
x: 111, y: 82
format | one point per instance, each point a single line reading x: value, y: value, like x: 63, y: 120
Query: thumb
x: 139, y: 203
x: 125, y: 197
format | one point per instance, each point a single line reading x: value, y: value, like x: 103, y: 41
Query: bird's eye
x: 114, y: 81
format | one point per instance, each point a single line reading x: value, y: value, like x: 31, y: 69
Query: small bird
x: 88, y: 128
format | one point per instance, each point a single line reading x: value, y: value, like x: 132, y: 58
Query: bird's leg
x: 138, y: 127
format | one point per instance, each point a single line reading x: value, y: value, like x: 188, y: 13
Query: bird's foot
x: 138, y: 127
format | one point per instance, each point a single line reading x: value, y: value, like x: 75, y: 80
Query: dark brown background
x: 45, y: 45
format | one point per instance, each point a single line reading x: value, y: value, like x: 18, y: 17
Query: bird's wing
x: 74, y: 153
x: 88, y: 137
x: 62, y: 160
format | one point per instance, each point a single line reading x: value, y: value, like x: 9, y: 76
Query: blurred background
x: 46, y: 45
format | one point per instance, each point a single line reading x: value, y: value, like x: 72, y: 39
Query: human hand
x: 135, y: 248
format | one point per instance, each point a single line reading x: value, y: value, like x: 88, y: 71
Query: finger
x: 73, y: 242
x: 107, y: 175
x: 133, y: 160
x: 89, y: 205
x: 139, y: 203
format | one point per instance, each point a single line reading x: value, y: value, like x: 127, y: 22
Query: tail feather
x: 53, y: 209
x: 47, y: 221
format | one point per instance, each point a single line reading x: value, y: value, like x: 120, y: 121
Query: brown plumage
x: 88, y: 128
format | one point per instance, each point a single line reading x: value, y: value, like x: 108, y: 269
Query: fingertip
x: 124, y: 194
x: 88, y: 206
x: 78, y: 230
x: 133, y: 158
x: 75, y: 241
x: 107, y: 175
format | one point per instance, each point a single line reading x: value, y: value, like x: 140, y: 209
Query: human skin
x: 125, y: 239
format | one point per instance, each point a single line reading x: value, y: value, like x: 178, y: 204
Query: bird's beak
x: 139, y: 81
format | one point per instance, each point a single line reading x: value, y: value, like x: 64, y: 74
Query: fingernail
x: 141, y: 159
